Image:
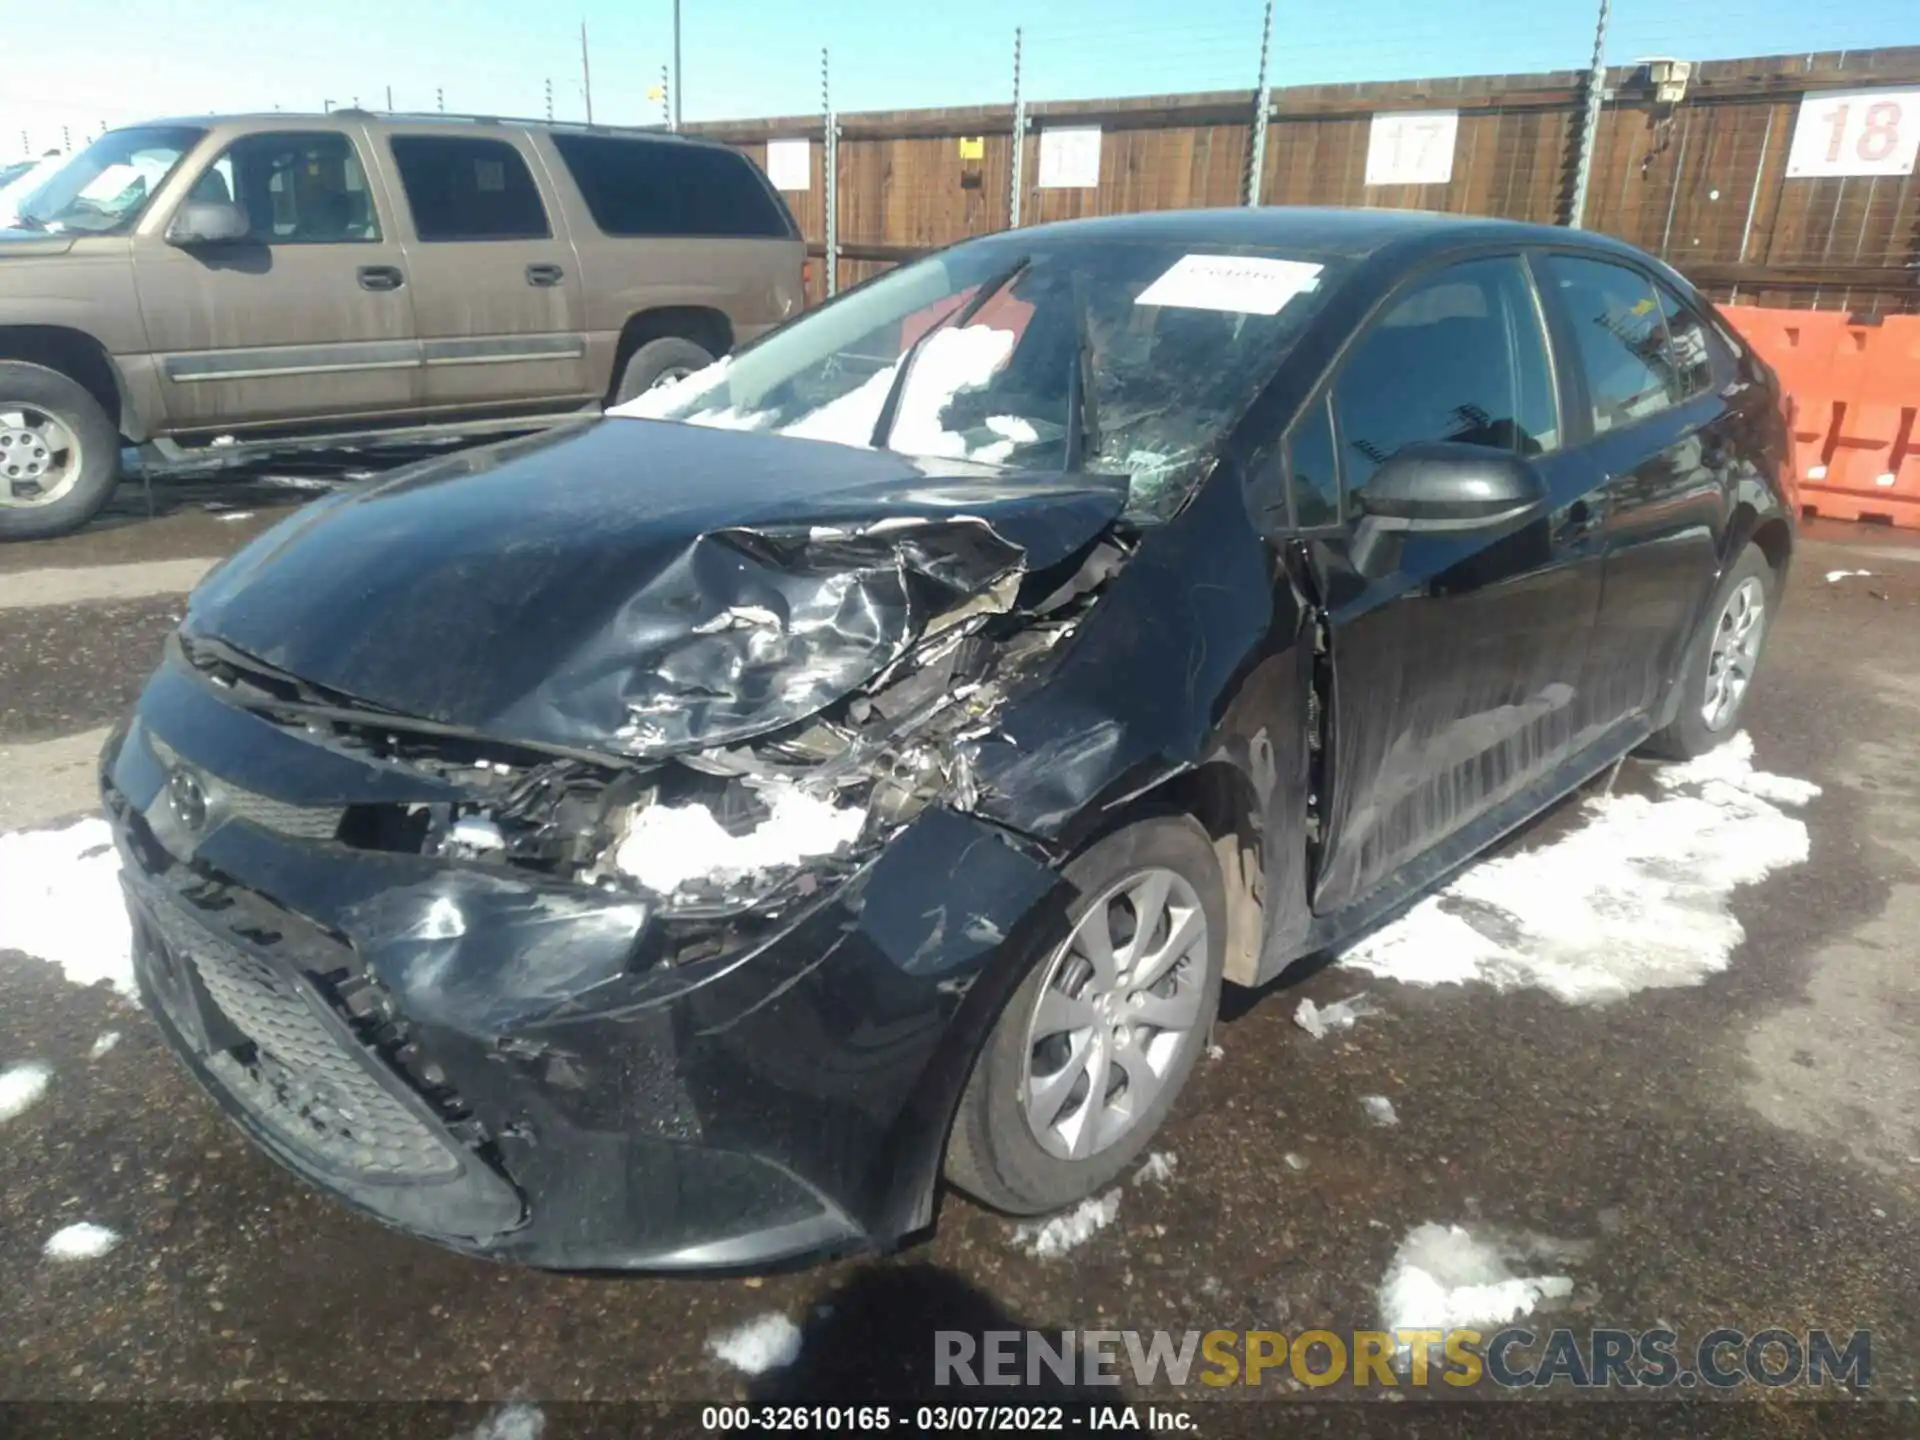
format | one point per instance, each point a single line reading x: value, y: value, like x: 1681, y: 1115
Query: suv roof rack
x: 462, y: 117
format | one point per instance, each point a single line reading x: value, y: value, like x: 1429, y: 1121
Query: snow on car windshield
x: 1116, y: 358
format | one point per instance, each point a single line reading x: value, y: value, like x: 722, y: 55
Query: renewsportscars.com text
x: 1512, y: 1358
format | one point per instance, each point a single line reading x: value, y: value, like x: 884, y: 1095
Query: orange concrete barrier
x: 1855, y: 393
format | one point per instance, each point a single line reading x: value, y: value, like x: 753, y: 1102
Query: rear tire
x: 59, y: 453
x: 1011, y: 1147
x: 667, y: 358
x: 1725, y: 652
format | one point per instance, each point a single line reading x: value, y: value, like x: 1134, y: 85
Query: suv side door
x: 307, y: 315
x: 1457, y: 669
x: 1651, y: 414
x: 497, y: 290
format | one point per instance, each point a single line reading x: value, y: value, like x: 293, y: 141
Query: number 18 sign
x: 1855, y: 132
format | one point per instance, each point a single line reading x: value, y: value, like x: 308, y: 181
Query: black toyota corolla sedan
x: 680, y: 839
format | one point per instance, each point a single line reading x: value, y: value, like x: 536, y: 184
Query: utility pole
x: 1590, y: 128
x: 1263, y: 102
x: 389, y: 99
x: 586, y: 73
x: 674, y: 120
x: 326, y: 107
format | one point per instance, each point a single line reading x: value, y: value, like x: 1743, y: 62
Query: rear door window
x: 468, y: 189
x: 1621, y: 337
x: 1462, y: 358
x: 670, y: 187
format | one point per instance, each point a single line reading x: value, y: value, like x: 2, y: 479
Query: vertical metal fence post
x: 666, y: 100
x: 1753, y: 200
x: 1673, y: 196
x: 831, y: 156
x: 1018, y: 183
x: 1590, y: 126
x: 1262, y: 103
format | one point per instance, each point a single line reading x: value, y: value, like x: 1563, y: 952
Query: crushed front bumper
x: 512, y: 1066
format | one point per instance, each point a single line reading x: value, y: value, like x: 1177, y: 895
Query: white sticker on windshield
x: 1238, y: 284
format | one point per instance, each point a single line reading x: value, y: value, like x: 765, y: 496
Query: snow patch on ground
x: 1834, y: 577
x: 518, y: 1421
x: 767, y: 1342
x: 1638, y: 897
x: 1443, y: 1277
x: 1158, y: 1169
x: 1379, y: 1109
x: 1340, y: 1015
x: 60, y: 901
x: 85, y: 1241
x: 107, y: 1040
x: 1069, y: 1230
x: 20, y: 1086
x: 667, y: 845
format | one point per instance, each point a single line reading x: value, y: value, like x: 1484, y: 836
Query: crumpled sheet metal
x: 1098, y: 726
x: 789, y: 621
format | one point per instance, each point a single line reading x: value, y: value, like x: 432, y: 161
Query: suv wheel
x: 59, y: 454
x: 1092, y: 1050
x: 657, y: 363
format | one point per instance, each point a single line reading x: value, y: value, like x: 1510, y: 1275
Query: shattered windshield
x: 105, y: 187
x: 1122, y: 358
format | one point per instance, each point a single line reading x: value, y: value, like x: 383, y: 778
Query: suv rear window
x: 671, y: 187
x: 460, y: 189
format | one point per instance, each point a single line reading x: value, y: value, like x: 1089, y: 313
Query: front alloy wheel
x: 1120, y: 999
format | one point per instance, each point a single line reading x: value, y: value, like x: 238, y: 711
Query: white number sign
x: 1070, y: 158
x: 1855, y: 132
x: 790, y: 164
x: 1413, y: 147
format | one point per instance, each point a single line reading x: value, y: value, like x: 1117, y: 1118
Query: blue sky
x: 761, y: 57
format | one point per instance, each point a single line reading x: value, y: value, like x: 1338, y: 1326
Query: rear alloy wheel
x: 1717, y: 672
x: 59, y: 454
x: 1093, y: 1048
x: 659, y: 362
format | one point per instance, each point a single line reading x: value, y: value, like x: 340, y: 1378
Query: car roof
x: 1321, y: 230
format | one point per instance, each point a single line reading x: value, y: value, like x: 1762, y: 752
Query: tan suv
x: 199, y: 287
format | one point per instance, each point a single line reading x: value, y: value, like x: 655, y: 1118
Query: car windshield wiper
x: 890, y: 407
x: 1083, y: 416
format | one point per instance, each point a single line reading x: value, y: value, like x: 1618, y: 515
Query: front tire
x: 1716, y: 676
x: 1094, y: 1047
x: 59, y: 453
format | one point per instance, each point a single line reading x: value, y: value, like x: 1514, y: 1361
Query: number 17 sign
x: 1855, y: 132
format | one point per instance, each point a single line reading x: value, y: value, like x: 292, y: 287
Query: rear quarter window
x: 668, y: 187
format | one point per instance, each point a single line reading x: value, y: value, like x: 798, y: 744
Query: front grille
x: 300, y: 822
x: 295, y: 1075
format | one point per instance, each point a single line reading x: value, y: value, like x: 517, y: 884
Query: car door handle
x: 544, y: 274
x: 381, y: 277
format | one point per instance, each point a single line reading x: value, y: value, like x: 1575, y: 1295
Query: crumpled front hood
x: 637, y: 587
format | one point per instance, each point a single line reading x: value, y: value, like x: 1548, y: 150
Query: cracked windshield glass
x: 1124, y: 359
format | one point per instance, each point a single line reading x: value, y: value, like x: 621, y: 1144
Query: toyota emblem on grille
x: 187, y: 801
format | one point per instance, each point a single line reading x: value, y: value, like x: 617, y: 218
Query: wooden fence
x: 1702, y: 183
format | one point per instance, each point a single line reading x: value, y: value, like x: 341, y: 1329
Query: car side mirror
x: 1439, y: 488
x: 208, y: 222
